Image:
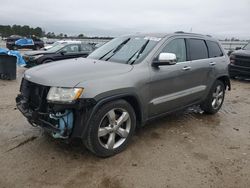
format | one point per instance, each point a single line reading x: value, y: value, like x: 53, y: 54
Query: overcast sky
x: 221, y: 18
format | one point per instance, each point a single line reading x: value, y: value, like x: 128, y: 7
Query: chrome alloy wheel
x: 114, y: 128
x: 218, y: 96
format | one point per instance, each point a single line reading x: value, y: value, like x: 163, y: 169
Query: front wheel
x: 111, y: 128
x: 47, y: 61
x: 215, y: 98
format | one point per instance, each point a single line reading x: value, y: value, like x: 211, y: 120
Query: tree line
x: 27, y: 31
x: 7, y: 30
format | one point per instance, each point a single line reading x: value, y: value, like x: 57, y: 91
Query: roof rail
x: 179, y: 32
x: 182, y: 32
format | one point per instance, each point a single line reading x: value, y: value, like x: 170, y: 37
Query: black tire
x: 207, y: 106
x: 93, y: 140
x: 46, y: 61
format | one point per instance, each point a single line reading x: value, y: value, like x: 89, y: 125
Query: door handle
x: 186, y: 68
x: 212, y: 63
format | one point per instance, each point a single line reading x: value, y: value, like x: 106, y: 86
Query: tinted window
x: 198, y: 49
x: 214, y: 49
x: 178, y: 47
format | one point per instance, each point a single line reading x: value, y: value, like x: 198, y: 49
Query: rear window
x: 214, y: 49
x: 197, y: 49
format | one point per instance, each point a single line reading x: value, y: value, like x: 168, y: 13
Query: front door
x: 69, y: 51
x: 173, y: 86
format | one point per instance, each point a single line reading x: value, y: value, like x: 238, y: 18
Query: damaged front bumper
x: 60, y: 120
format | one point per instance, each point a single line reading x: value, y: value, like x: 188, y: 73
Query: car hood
x: 34, y: 53
x: 242, y: 52
x: 69, y: 73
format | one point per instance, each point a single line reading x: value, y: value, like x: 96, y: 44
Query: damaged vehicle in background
x: 16, y: 42
x: 240, y: 63
x: 122, y: 85
x: 59, y: 52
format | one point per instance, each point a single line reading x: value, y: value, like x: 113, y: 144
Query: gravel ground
x: 187, y: 149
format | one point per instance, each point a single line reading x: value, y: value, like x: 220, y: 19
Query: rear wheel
x: 111, y: 128
x: 215, y: 98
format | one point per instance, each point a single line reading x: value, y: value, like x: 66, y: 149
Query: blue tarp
x: 24, y: 42
x: 20, y: 60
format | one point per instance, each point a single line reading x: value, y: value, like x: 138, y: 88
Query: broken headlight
x: 60, y: 94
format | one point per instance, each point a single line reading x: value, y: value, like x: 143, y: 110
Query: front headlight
x: 36, y: 57
x: 232, y: 59
x: 68, y: 95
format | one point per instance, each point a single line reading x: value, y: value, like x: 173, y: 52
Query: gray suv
x: 101, y: 99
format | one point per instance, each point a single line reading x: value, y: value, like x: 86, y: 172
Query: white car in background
x: 61, y: 42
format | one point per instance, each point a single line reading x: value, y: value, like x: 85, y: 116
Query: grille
x: 34, y: 94
x: 242, y: 61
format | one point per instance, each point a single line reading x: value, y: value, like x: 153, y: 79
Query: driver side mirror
x: 63, y: 52
x: 165, y: 59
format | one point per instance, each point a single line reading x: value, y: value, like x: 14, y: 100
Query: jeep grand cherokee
x: 123, y: 84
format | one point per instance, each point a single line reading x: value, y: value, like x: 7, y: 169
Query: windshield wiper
x: 114, y: 50
x: 118, y: 48
x: 138, y: 52
x: 106, y: 54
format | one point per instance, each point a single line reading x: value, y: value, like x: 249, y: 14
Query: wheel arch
x: 131, y: 98
x: 46, y: 59
x: 226, y: 81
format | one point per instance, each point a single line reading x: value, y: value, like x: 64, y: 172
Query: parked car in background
x: 240, y: 62
x: 16, y: 42
x: 58, y: 52
x: 123, y: 84
x: 61, y: 42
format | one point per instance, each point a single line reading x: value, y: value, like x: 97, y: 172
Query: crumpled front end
x: 58, y: 119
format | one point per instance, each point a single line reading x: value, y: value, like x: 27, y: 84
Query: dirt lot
x: 187, y: 149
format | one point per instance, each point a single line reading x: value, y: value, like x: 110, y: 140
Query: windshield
x: 247, y: 47
x: 55, y: 48
x: 56, y: 43
x: 127, y: 50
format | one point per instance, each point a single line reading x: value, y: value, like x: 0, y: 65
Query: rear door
x: 217, y: 59
x: 202, y: 66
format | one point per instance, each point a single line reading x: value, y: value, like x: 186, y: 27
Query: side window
x: 72, y: 48
x: 178, y: 47
x: 198, y: 49
x: 86, y: 47
x: 214, y: 49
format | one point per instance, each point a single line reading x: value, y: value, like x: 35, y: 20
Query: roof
x: 162, y: 35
